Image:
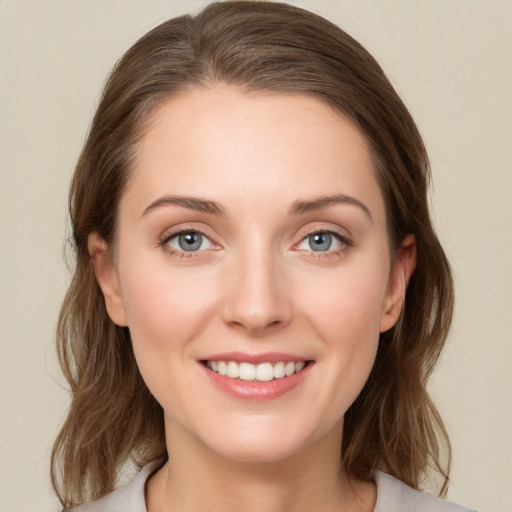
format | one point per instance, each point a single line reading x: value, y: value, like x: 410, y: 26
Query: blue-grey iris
x: 320, y: 241
x: 190, y: 241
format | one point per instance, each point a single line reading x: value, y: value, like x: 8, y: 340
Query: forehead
x: 220, y: 141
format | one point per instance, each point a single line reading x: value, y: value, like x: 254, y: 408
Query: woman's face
x: 252, y: 240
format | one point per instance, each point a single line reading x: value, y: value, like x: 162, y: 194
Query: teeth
x: 299, y: 366
x: 232, y: 370
x: 263, y: 372
x: 279, y: 371
x: 247, y: 371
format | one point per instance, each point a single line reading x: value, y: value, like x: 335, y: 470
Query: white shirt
x: 392, y: 496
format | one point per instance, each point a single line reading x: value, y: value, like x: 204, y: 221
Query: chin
x: 261, y: 444
x: 265, y: 452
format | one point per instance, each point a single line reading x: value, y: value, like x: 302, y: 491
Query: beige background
x: 450, y: 60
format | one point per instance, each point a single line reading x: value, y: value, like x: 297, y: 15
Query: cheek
x: 350, y: 328
x: 347, y: 304
x: 166, y: 309
x: 167, y: 312
x: 345, y: 313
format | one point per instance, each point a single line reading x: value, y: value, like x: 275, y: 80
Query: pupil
x: 320, y: 241
x: 190, y: 241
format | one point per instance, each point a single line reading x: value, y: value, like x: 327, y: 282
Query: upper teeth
x: 263, y: 372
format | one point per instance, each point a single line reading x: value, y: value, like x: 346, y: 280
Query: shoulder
x: 394, y: 496
x: 129, y: 498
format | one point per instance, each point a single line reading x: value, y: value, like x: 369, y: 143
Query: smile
x: 263, y: 372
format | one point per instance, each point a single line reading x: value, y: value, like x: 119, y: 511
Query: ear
x: 400, y: 274
x: 106, y: 275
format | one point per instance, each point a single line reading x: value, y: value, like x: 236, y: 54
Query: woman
x: 259, y: 295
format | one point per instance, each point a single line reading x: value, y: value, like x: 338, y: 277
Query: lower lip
x: 256, y: 390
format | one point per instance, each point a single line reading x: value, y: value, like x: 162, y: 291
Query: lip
x: 265, y: 357
x: 256, y: 390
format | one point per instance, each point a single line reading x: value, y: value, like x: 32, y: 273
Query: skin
x: 255, y: 286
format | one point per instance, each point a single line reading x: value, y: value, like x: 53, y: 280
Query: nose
x: 257, y: 294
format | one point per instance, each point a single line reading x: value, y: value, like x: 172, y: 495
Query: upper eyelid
x: 343, y: 239
x: 167, y: 234
x: 167, y: 241
x: 335, y: 230
x: 181, y: 232
x: 323, y: 230
x: 343, y: 236
x: 163, y: 243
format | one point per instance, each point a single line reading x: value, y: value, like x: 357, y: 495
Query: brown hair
x: 113, y: 418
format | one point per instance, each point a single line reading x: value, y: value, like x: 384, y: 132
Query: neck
x: 196, y: 479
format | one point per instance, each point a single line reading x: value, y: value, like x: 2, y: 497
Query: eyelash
x: 167, y: 237
x: 346, y: 241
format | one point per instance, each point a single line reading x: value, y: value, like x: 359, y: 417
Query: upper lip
x: 265, y: 357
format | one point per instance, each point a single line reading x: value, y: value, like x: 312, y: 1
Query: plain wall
x: 452, y: 63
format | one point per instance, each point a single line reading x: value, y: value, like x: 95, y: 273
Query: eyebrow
x: 320, y: 203
x: 297, y: 208
x: 192, y: 203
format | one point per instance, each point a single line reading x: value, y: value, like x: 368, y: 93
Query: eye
x: 189, y: 241
x: 322, y: 241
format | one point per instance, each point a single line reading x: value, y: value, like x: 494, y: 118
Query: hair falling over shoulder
x: 265, y: 46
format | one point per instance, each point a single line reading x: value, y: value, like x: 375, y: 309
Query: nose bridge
x: 257, y: 296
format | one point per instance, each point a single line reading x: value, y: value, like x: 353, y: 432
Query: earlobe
x: 107, y: 277
x: 397, y: 285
